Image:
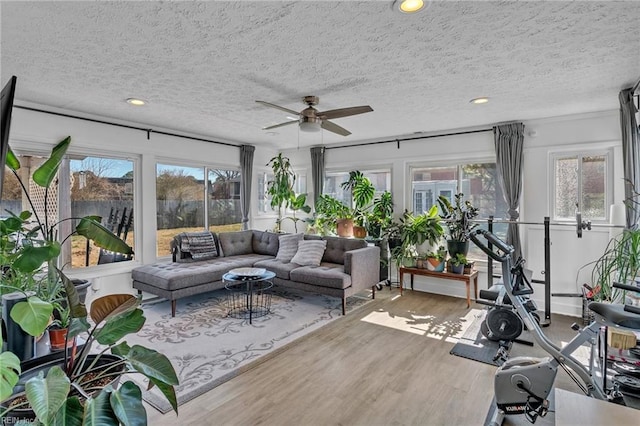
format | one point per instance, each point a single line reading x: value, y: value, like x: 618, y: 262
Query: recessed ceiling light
x: 479, y: 101
x: 136, y: 102
x: 410, y: 6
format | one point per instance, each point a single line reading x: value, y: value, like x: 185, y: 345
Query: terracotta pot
x: 359, y: 231
x: 344, y: 227
x: 56, y: 338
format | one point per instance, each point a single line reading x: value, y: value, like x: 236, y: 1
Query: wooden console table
x: 443, y: 275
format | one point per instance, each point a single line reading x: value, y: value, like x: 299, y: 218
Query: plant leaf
x: 12, y: 160
x: 32, y: 258
x: 9, y: 373
x: 115, y: 328
x: 77, y: 309
x: 152, y: 364
x: 121, y: 349
x: 47, y: 395
x: 32, y: 315
x: 91, y: 229
x: 98, y: 411
x: 126, y: 403
x: 104, y: 306
x: 70, y: 414
x: 168, y: 391
x: 45, y: 174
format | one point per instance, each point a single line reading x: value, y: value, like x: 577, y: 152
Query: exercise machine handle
x: 626, y: 287
x: 501, y: 245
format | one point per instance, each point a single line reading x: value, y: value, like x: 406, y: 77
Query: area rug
x: 473, y: 345
x: 207, y: 348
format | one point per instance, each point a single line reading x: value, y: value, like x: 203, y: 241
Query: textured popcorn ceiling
x: 201, y: 65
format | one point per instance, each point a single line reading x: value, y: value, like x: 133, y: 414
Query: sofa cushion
x: 174, y: 276
x: 265, y: 242
x: 281, y: 269
x: 288, y: 246
x: 309, y: 253
x: 336, y: 246
x: 326, y: 275
x: 235, y: 243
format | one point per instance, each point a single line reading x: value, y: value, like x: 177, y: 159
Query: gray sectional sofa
x: 348, y: 266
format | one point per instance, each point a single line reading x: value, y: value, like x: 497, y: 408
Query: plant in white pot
x: 458, y: 218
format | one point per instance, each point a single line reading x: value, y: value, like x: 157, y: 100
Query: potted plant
x: 334, y: 215
x: 436, y: 260
x: 281, y: 191
x: 81, y: 387
x: 422, y: 228
x: 59, y: 327
x: 458, y: 218
x: 362, y: 193
x: 620, y: 261
x: 380, y: 216
x: 29, y: 248
x: 457, y: 263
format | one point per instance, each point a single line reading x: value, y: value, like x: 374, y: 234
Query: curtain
x: 630, y: 154
x: 246, y: 169
x: 317, y: 171
x: 509, y: 142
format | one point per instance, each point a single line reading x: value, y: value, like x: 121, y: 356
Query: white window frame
x: 268, y: 211
x: 137, y: 209
x: 375, y: 169
x: 608, y: 181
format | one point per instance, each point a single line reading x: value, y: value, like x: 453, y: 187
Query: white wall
x: 580, y: 132
x: 32, y: 130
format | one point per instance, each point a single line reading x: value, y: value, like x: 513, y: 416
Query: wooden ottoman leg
x: 173, y: 308
x: 373, y: 289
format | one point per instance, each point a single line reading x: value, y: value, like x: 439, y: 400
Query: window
x: 181, y: 207
x: 97, y: 185
x: 381, y: 180
x: 264, y: 206
x: 478, y: 183
x: 581, y: 182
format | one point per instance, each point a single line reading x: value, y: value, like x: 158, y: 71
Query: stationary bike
x: 522, y: 384
x: 502, y: 323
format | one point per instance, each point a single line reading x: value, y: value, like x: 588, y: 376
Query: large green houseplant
x: 458, y: 217
x: 282, y: 192
x: 30, y: 246
x: 80, y: 389
x: 620, y: 261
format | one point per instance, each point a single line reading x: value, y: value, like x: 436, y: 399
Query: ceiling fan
x: 312, y: 120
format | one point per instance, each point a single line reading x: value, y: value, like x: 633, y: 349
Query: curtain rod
x: 398, y: 140
x: 126, y: 126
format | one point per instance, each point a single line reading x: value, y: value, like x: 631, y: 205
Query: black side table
x: 249, y: 296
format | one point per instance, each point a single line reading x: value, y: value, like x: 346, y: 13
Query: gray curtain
x: 630, y: 154
x: 246, y: 169
x: 509, y: 142
x: 317, y: 171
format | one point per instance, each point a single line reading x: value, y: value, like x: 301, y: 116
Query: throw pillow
x: 309, y: 252
x: 288, y: 247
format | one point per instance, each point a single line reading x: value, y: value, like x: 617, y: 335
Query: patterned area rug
x: 207, y: 348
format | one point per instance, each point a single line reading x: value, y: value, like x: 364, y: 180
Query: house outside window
x: 581, y: 182
x: 181, y: 192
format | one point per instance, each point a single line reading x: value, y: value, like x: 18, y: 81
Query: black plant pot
x: 27, y: 413
x: 81, y: 287
x: 455, y: 247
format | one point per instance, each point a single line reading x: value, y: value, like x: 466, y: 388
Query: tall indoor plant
x: 282, y: 193
x: 458, y: 218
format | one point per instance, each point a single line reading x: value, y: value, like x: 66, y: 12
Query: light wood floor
x: 387, y: 363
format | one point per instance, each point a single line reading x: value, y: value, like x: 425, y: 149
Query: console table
x: 467, y: 278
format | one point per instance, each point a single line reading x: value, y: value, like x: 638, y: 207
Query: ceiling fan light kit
x: 312, y: 120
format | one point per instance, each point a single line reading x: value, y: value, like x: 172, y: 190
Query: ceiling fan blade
x: 332, y: 127
x: 345, y: 112
x: 286, y: 123
x: 290, y: 111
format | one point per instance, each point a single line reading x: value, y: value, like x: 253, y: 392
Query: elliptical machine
x: 522, y: 384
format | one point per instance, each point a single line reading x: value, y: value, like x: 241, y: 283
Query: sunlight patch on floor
x: 424, y: 325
